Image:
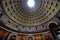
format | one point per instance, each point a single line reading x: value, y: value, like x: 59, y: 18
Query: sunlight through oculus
x: 31, y: 3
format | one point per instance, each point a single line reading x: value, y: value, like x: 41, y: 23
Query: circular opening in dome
x: 30, y: 3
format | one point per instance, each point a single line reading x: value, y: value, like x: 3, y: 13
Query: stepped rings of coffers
x: 21, y: 13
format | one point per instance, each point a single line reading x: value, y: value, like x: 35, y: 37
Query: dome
x: 29, y: 17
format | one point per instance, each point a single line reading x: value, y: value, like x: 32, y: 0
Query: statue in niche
x: 30, y: 38
x: 13, y: 37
